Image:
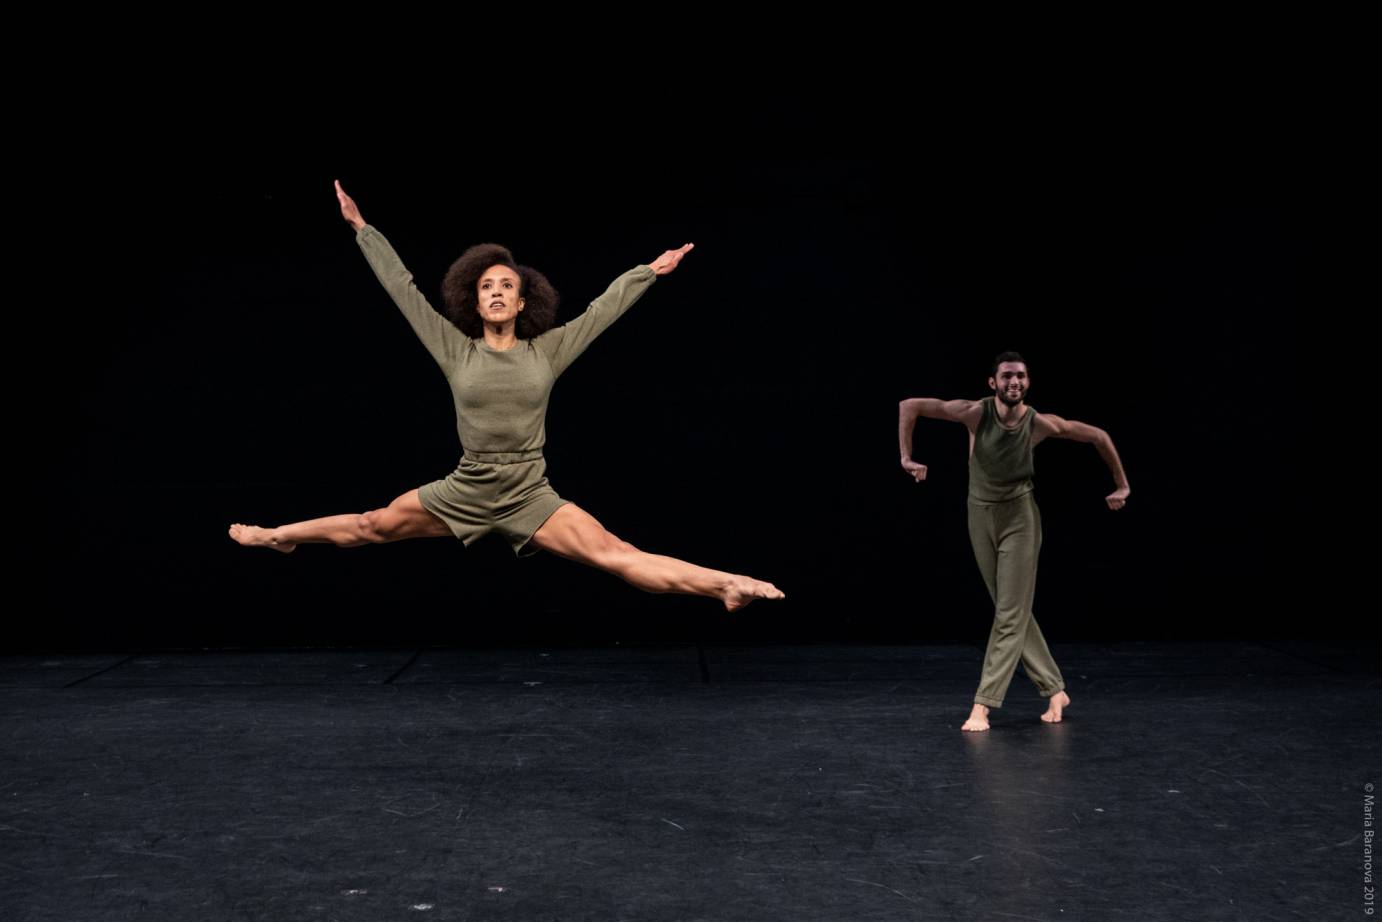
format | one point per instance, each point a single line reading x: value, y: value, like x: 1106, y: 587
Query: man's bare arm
x: 957, y: 411
x: 1049, y: 426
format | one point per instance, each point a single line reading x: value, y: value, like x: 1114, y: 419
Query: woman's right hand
x: 348, y: 209
x: 916, y: 471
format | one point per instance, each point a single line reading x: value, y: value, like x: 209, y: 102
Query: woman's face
x: 498, y: 298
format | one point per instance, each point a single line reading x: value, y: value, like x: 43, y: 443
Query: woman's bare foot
x: 254, y: 536
x: 1059, y: 702
x: 741, y: 590
x: 978, y: 719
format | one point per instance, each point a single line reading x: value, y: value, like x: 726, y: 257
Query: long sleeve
x: 563, y: 344
x: 438, y: 334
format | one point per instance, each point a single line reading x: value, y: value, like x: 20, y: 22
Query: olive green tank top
x: 1000, y: 467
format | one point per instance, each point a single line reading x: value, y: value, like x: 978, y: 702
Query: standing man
x: 1004, y: 523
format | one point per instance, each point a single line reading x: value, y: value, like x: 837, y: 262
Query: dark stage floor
x: 1188, y: 782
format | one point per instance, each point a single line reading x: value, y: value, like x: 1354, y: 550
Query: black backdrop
x: 221, y: 352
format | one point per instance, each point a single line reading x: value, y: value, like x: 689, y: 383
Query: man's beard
x: 1009, y: 401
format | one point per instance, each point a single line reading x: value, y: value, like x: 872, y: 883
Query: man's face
x: 1010, y: 383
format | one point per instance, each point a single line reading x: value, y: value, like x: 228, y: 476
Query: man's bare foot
x: 978, y: 719
x: 1059, y: 702
x: 741, y: 590
x: 254, y: 536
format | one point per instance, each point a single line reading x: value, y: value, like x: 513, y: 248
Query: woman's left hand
x: 668, y: 261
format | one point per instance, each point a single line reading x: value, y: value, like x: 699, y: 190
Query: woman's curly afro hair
x: 462, y: 305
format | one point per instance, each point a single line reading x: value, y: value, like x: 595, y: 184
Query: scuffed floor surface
x: 1188, y: 782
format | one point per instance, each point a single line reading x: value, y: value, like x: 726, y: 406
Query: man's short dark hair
x: 1006, y: 357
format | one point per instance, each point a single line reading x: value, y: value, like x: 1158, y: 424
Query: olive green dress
x: 501, y: 403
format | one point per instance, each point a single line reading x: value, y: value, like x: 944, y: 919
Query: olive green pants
x: 1006, y: 539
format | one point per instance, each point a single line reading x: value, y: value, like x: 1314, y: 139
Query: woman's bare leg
x: 402, y: 518
x: 573, y: 533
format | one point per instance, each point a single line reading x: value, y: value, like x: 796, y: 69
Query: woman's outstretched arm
x: 438, y: 334
x: 565, y: 343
